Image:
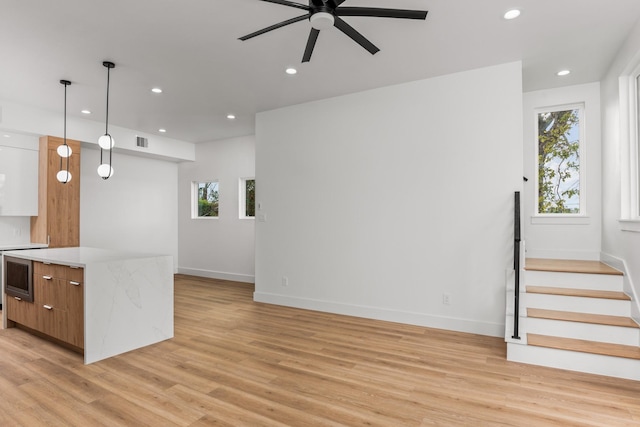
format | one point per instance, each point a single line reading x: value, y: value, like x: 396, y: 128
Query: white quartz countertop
x: 77, y: 256
x: 19, y: 246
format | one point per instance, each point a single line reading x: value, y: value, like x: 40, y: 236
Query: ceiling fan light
x: 105, y: 171
x: 321, y: 20
x: 64, y: 150
x: 106, y: 142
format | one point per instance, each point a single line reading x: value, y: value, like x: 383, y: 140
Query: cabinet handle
x: 74, y: 283
x: 17, y: 298
x: 46, y: 277
x: 48, y: 307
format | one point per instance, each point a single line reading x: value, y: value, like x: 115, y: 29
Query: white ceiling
x: 190, y: 49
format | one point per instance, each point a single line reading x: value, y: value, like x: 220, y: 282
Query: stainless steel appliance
x: 18, y: 278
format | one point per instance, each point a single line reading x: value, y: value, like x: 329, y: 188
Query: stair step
x: 570, y: 266
x: 584, y: 346
x: 569, y: 316
x: 571, y: 292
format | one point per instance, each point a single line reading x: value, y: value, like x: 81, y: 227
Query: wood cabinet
x: 58, y: 304
x: 58, y: 220
x: 19, y: 311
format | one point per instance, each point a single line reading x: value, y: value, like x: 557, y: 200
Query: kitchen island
x: 108, y: 302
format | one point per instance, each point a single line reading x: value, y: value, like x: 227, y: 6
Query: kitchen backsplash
x: 14, y: 230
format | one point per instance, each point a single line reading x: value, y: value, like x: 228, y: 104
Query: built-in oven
x: 18, y: 278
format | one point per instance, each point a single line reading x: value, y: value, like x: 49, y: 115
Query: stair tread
x: 570, y: 266
x: 584, y: 346
x: 571, y: 292
x: 570, y: 316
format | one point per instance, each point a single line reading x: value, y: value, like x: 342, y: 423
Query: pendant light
x: 64, y: 151
x: 106, y: 142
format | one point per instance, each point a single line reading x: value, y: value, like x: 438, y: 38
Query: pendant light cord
x: 109, y: 65
x: 106, y: 122
x: 65, y: 133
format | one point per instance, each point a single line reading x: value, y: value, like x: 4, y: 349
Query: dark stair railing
x: 516, y: 265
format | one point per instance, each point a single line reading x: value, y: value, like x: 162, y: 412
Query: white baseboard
x: 410, y: 318
x: 246, y: 278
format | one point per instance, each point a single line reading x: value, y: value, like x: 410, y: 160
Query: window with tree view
x: 248, y: 197
x: 559, y: 135
x: 207, y: 196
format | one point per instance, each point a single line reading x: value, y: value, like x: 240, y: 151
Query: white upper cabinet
x: 18, y: 175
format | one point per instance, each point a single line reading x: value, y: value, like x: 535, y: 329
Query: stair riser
x: 583, y: 331
x: 575, y: 361
x: 602, y: 282
x: 577, y: 304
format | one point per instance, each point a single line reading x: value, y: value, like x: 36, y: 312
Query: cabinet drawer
x: 52, y: 321
x: 21, y: 312
x: 59, y: 271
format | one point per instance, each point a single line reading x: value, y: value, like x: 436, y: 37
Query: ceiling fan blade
x: 289, y: 3
x: 355, y: 36
x: 382, y: 13
x: 334, y: 3
x: 274, y: 27
x: 311, y: 43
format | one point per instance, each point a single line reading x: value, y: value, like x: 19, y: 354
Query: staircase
x: 574, y: 315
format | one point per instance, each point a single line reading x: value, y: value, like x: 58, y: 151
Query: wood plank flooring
x: 234, y: 362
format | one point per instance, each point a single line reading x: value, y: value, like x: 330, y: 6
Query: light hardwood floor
x: 234, y: 362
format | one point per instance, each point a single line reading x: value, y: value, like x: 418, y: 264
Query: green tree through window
x: 208, y: 199
x: 559, y: 162
x: 250, y: 197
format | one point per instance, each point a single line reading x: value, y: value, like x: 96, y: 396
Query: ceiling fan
x: 323, y: 14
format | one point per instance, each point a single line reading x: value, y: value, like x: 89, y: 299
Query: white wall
x: 25, y: 119
x: 221, y: 248
x: 134, y: 210
x: 618, y: 246
x: 378, y: 203
x: 573, y: 238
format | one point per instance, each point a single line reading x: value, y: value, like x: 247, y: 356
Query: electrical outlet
x: 446, y: 299
x: 285, y: 281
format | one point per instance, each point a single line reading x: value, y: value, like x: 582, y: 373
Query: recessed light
x: 512, y: 14
x: 156, y: 90
x: 162, y: 130
x: 562, y: 73
x: 231, y: 116
x: 291, y: 71
x: 85, y: 112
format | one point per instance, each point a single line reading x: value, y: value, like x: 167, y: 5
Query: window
x: 247, y: 198
x: 205, y: 199
x: 560, y: 146
x: 630, y: 148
